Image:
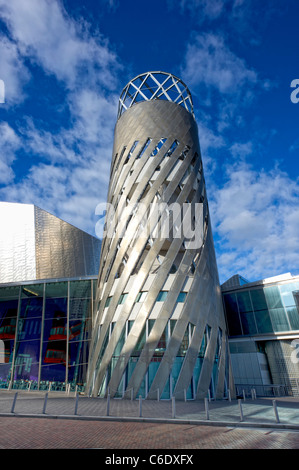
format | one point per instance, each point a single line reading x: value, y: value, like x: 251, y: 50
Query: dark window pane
x: 232, y: 315
x: 53, y: 372
x: 79, y: 330
x: 162, y: 296
x: 31, y: 307
x: 79, y: 353
x: 29, y: 329
x: 8, y: 320
x: 258, y: 300
x: 57, y: 289
x: 244, y: 303
x: 56, y: 308
x: 27, y: 360
x: 80, y: 289
x: 182, y: 297
x: 33, y: 290
x: 80, y: 308
x: 9, y: 293
x: 248, y: 323
x: 263, y: 321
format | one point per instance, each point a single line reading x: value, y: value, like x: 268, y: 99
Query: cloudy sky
x: 64, y: 64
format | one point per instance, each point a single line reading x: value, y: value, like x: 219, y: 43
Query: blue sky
x: 64, y: 64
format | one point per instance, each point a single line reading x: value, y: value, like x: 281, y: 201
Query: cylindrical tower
x: 159, y: 329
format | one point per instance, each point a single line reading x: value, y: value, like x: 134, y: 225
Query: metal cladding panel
x: 156, y: 157
x: 17, y: 242
x: 63, y: 250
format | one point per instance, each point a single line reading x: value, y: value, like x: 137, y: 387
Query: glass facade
x: 262, y: 310
x: 45, y: 333
x: 156, y: 360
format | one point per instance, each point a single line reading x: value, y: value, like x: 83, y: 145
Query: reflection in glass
x: 27, y: 360
x: 8, y: 320
x: 263, y: 321
x: 248, y: 323
x: 31, y: 307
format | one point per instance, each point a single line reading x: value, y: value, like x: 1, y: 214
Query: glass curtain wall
x: 44, y: 334
x: 156, y: 360
x: 262, y: 310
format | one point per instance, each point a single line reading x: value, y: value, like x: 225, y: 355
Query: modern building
x: 159, y: 327
x: 48, y: 271
x: 149, y: 318
x: 263, y: 328
x: 35, y: 244
x: 45, y: 329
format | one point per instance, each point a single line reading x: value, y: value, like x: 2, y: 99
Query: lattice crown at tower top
x: 155, y: 86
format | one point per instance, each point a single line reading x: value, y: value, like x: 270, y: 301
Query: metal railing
x: 271, y: 390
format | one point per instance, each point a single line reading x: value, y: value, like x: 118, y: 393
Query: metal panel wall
x: 17, y: 242
x: 63, y: 250
x: 37, y: 245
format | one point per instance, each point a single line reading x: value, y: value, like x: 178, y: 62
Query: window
x: 258, y: 299
x: 182, y: 296
x: 162, y: 296
x: 158, y: 147
x: 144, y: 148
x: 141, y: 296
x: 244, y: 301
x: 232, y: 315
x: 122, y: 298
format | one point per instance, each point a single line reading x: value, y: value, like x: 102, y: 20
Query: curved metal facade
x: 159, y: 329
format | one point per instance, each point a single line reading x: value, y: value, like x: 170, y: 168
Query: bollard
x: 209, y: 395
x: 158, y: 395
x: 45, y: 403
x: 173, y: 407
x: 252, y: 394
x: 240, y: 409
x: 108, y: 404
x: 229, y: 395
x: 76, y: 403
x: 132, y: 394
x: 275, y: 411
x: 244, y: 396
x: 30, y: 382
x: 140, y: 406
x: 207, y: 408
x: 14, y: 403
x: 50, y: 385
x: 185, y: 395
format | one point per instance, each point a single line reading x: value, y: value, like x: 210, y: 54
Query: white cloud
x: 255, y: 215
x: 13, y: 72
x: 241, y: 150
x: 45, y: 33
x: 209, y: 61
x: 9, y: 144
x: 210, y: 9
x: 69, y: 169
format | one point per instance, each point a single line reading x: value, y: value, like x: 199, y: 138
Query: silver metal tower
x: 159, y: 330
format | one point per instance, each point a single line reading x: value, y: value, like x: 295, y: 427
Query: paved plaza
x: 36, y: 420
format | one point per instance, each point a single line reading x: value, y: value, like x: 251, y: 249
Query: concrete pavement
x: 39, y: 421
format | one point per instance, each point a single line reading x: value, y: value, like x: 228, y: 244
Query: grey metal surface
x: 132, y: 264
x: 35, y: 244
